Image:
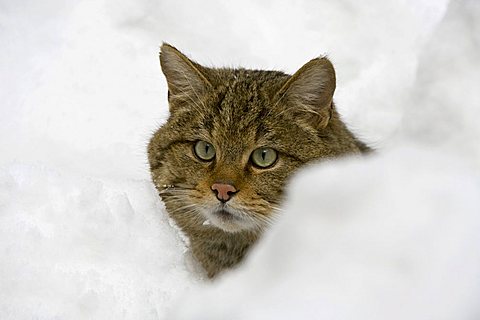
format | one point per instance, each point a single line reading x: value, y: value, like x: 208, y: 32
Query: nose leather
x: 224, y: 191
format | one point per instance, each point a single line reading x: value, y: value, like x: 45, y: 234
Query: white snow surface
x: 395, y: 235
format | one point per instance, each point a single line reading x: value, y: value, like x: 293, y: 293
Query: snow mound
x: 77, y: 248
x: 378, y: 239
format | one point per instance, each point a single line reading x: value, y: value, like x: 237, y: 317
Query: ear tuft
x: 185, y: 78
x: 309, y: 92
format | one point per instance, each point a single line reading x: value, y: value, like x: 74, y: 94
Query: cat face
x: 235, y: 136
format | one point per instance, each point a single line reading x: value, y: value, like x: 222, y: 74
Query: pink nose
x: 224, y: 191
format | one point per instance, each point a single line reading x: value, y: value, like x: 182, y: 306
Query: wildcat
x: 233, y: 138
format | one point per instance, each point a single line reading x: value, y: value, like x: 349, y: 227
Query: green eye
x: 264, y: 157
x: 204, y: 150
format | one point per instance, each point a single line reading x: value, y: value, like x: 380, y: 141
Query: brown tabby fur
x: 237, y: 111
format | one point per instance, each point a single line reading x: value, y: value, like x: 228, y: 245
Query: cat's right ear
x: 185, y: 78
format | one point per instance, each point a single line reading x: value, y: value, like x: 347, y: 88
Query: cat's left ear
x: 186, y: 79
x: 309, y: 92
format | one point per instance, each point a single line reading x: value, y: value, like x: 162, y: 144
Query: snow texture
x: 83, y: 234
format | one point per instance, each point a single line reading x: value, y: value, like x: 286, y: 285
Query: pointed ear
x: 309, y: 92
x: 185, y: 78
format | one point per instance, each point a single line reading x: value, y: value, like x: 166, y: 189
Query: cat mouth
x: 227, y: 219
x: 226, y: 215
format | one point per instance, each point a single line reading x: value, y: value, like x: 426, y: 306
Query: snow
x: 394, y: 235
x: 77, y: 247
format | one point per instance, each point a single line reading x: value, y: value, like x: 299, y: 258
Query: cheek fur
x: 270, y: 184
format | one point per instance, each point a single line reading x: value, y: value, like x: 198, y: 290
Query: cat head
x: 235, y: 136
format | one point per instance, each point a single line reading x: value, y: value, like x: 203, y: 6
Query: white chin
x: 229, y: 221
